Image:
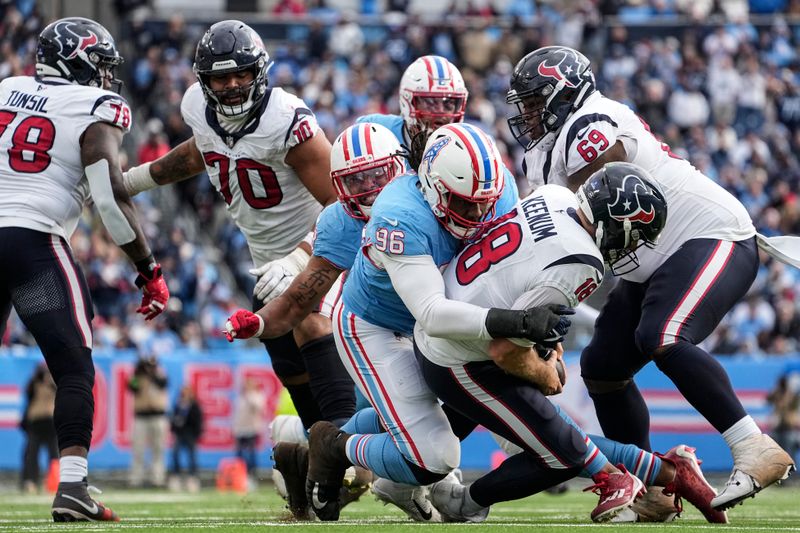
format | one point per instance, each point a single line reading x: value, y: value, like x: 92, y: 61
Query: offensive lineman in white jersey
x: 60, y: 134
x: 270, y: 162
x: 671, y: 296
x: 550, y: 250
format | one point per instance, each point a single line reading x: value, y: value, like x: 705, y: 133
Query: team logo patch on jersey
x: 433, y: 152
x: 566, y: 70
x: 71, y: 39
x: 628, y: 205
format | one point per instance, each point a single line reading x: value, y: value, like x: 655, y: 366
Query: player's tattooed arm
x: 100, y: 143
x: 616, y: 153
x: 311, y: 160
x: 286, y: 311
x: 525, y: 363
x: 182, y: 162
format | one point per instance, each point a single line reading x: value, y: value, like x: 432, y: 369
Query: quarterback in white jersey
x: 549, y: 250
x: 60, y: 137
x: 673, y: 294
x: 269, y: 160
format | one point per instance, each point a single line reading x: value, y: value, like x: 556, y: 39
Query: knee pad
x: 597, y: 386
x: 442, y: 452
x: 75, y: 361
x: 285, y: 356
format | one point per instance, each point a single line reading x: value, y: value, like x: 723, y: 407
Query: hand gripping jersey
x: 539, y: 244
x: 698, y: 207
x: 338, y: 236
x: 263, y: 194
x: 42, y: 186
x: 402, y: 223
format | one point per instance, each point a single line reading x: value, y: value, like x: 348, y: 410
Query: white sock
x: 740, y: 431
x: 73, y: 468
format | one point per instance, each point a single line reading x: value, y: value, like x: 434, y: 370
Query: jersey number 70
x: 243, y: 167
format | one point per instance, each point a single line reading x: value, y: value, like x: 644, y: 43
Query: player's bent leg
x: 609, y: 362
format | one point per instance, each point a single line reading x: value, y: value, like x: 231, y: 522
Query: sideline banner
x: 217, y: 376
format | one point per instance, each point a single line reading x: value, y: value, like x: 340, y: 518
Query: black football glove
x: 546, y: 325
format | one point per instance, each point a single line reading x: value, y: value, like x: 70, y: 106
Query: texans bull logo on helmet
x: 623, y: 207
x: 566, y: 70
x: 73, y: 38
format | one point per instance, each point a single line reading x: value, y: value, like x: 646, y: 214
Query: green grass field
x: 776, y: 509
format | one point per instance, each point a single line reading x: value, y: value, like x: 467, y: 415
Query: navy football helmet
x: 79, y: 50
x: 627, y: 208
x: 547, y: 85
x: 232, y: 46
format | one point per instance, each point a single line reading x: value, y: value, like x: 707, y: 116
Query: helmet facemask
x: 430, y: 111
x: 452, y: 205
x: 359, y: 185
x: 238, y: 101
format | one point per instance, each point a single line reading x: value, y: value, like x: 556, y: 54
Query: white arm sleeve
x: 113, y: 219
x: 420, y: 285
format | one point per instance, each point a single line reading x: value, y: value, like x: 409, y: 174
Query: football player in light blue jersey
x: 417, y: 225
x: 364, y: 158
x: 432, y: 94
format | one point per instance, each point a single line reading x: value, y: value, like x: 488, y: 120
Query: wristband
x: 138, y: 179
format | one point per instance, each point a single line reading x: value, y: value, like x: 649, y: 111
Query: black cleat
x: 73, y: 504
x: 327, y: 463
x: 291, y: 460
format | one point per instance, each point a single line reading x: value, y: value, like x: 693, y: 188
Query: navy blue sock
x: 703, y: 382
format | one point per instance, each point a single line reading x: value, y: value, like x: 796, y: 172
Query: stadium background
x: 718, y: 80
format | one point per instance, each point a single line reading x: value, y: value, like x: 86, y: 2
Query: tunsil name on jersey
x: 538, y: 217
x: 31, y: 102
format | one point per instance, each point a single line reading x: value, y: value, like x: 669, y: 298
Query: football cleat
x: 449, y: 498
x: 286, y: 428
x: 758, y: 462
x: 291, y: 461
x: 654, y: 506
x: 327, y: 463
x: 690, y: 483
x: 412, y: 500
x: 74, y: 504
x: 617, y: 491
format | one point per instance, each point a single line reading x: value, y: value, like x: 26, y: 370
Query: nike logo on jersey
x: 93, y: 509
x: 582, y: 131
x: 392, y: 221
x: 425, y: 514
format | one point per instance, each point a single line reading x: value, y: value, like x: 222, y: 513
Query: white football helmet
x: 432, y: 94
x: 462, y: 177
x: 364, y: 158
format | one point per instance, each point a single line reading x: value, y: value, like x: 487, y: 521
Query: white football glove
x: 276, y: 276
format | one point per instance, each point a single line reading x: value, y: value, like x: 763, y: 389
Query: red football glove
x: 242, y: 325
x: 154, y: 292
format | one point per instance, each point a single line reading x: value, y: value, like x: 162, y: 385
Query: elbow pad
x: 113, y: 218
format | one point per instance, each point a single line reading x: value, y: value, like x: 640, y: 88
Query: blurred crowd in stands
x: 719, y: 81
